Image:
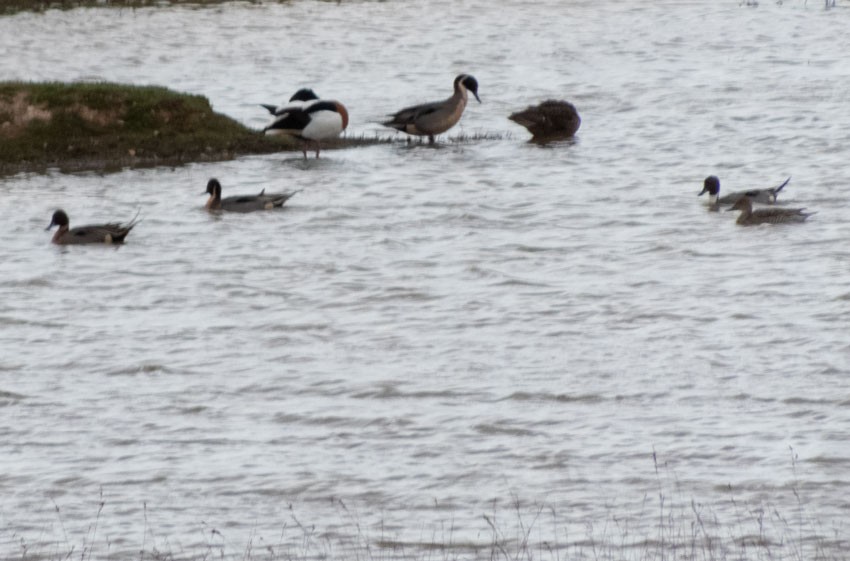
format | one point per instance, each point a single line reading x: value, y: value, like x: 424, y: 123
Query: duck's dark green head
x: 59, y: 219
x: 711, y: 185
x: 470, y: 83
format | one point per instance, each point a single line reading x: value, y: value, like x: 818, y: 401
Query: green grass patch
x: 13, y: 6
x: 8, y: 7
x: 101, y: 125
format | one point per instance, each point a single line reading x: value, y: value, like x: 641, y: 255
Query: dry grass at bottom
x: 668, y: 529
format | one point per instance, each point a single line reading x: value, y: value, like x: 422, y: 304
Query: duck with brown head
x: 243, y: 203
x: 111, y: 233
x: 431, y: 119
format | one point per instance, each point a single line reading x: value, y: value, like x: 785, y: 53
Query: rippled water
x: 428, y: 334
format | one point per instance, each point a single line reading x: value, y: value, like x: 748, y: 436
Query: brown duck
x: 113, y: 232
x: 431, y: 119
x: 549, y: 120
x: 750, y: 217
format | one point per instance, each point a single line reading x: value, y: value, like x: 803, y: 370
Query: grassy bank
x: 104, y: 127
x: 13, y: 6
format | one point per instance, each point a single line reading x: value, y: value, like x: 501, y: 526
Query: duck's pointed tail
x: 778, y: 189
x: 135, y: 220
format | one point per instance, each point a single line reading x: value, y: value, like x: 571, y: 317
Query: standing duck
x: 243, y: 203
x: 750, y: 217
x: 431, y: 119
x: 308, y: 118
x: 114, y: 232
x: 711, y: 185
x: 550, y: 120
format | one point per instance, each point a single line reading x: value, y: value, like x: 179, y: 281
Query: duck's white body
x: 308, y: 118
x: 314, y: 120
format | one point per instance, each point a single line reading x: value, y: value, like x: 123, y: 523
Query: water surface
x: 425, y: 335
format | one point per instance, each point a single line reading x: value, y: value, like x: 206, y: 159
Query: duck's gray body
x: 711, y: 185
x: 111, y: 233
x: 750, y: 217
x: 550, y: 119
x: 243, y: 203
x: 431, y: 119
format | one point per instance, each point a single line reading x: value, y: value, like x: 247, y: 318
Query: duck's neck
x: 214, y: 202
x: 746, y: 212
x: 712, y: 200
x: 460, y: 96
x: 63, y: 229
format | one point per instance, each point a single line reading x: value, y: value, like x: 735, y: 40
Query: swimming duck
x: 298, y: 99
x: 243, y: 203
x: 549, y: 120
x: 113, y: 232
x: 750, y: 217
x: 431, y: 119
x: 308, y: 118
x: 711, y: 185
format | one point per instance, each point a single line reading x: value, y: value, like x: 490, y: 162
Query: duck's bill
x: 476, y: 96
x: 701, y: 192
